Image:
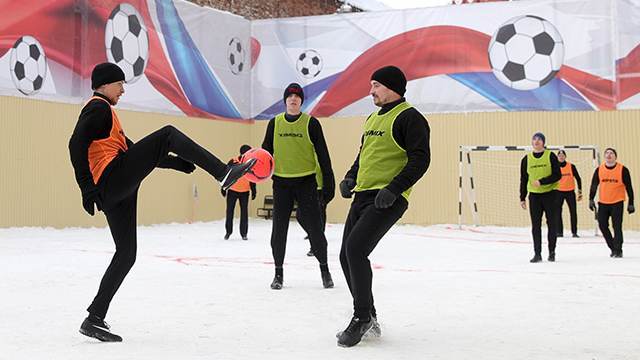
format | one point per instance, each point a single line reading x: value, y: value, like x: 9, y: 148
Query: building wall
x: 37, y: 186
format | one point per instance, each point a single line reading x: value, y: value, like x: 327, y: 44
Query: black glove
x: 89, y: 198
x: 253, y: 195
x: 346, y: 186
x: 223, y: 192
x: 328, y: 193
x: 592, y: 205
x: 384, y: 199
x: 631, y: 209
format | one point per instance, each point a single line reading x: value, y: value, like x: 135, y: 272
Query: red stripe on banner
x: 628, y: 72
x: 419, y: 53
x: 598, y: 90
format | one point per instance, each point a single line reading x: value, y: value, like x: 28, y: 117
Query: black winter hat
x: 391, y: 77
x: 244, y: 148
x: 105, y: 73
x: 613, y: 150
x: 293, y: 88
x: 541, y: 136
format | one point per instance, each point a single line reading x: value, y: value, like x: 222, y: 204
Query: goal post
x: 489, y: 180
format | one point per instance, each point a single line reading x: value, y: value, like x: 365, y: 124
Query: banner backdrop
x: 181, y: 58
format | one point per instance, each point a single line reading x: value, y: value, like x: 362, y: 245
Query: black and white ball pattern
x: 526, y: 52
x: 309, y: 63
x: 28, y: 65
x: 127, y: 42
x: 236, y: 56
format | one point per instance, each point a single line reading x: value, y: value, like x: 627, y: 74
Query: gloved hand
x: 579, y: 195
x: 384, y: 199
x: 253, y: 195
x: 184, y: 166
x: 89, y: 198
x: 223, y: 192
x: 631, y: 209
x: 592, y: 205
x: 328, y: 193
x: 346, y: 186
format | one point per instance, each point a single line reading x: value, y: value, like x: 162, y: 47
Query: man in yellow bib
x: 614, y: 180
x: 295, y: 139
x: 394, y: 155
x: 539, y: 176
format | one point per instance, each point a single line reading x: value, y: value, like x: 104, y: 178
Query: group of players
x: 550, y: 181
x: 394, y: 154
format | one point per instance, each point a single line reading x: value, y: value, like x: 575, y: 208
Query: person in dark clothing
x: 323, y: 210
x: 566, y: 192
x: 614, y: 180
x: 239, y: 192
x: 539, y: 175
x: 394, y: 154
x: 295, y: 140
x: 109, y: 168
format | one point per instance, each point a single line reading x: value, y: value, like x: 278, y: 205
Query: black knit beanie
x: 293, y: 88
x: 391, y: 77
x: 613, y: 150
x: 105, y: 73
x: 540, y: 136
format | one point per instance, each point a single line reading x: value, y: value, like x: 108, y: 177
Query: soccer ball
x: 235, y: 55
x: 309, y: 63
x: 263, y: 169
x: 126, y: 41
x: 526, y: 52
x: 28, y: 65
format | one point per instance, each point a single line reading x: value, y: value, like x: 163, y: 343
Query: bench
x: 266, y: 211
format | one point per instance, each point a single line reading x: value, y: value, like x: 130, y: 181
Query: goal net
x: 489, y: 185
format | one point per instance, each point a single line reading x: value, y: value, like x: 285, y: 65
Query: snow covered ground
x: 441, y: 293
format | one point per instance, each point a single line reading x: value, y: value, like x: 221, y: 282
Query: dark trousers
x: 546, y: 203
x: 285, y: 192
x: 613, y: 211
x: 119, y: 190
x: 243, y: 198
x: 363, y: 229
x: 570, y: 198
x: 323, y: 214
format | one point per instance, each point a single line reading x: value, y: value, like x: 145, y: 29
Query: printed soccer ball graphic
x: 526, y: 52
x: 235, y: 55
x: 309, y: 63
x: 28, y: 65
x: 126, y: 41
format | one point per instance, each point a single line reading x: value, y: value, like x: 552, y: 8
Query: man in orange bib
x: 239, y: 192
x: 566, y: 192
x: 613, y: 179
x: 109, y: 169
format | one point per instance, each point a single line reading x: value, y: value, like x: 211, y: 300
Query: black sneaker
x: 95, y: 327
x: 375, y: 331
x: 235, y: 172
x: 575, y: 235
x: 226, y: 236
x: 354, y: 332
x: 276, y: 284
x: 618, y: 254
x: 560, y: 235
x: 536, y: 258
x: 613, y: 253
x: 327, y: 281
x: 310, y: 252
x: 552, y: 257
x: 244, y: 237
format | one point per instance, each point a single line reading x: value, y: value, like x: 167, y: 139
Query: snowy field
x: 441, y: 293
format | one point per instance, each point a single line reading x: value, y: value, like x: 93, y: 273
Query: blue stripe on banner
x: 555, y: 95
x: 198, y: 82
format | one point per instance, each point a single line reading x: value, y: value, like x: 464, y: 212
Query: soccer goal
x: 489, y: 184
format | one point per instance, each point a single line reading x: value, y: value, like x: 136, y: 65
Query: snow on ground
x: 441, y: 293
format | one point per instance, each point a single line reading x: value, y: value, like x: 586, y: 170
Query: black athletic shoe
x: 536, y: 258
x: 552, y: 257
x: 560, y: 235
x: 354, y: 332
x: 276, y: 284
x: 245, y: 237
x: 327, y: 281
x: 226, y: 236
x: 95, y: 327
x: 613, y: 253
x: 618, y: 254
x: 235, y: 172
x: 310, y: 252
x: 375, y: 331
x: 575, y: 235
